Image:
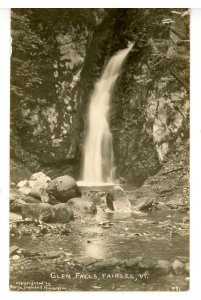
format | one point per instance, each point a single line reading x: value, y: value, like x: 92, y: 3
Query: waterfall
x: 98, y: 151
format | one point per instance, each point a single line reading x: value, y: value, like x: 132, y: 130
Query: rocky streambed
x: 96, y: 248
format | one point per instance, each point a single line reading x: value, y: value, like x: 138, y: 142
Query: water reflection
x: 96, y: 249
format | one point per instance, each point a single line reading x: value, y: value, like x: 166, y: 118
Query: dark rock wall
x: 57, y: 57
x: 150, y: 109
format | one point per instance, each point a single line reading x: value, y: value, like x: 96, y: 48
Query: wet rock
x: 14, y: 217
x: 15, y: 196
x: 23, y: 183
x: 106, y: 225
x: 40, y: 177
x: 178, y: 267
x: 39, y: 211
x: 117, y: 192
x: 160, y: 206
x: 98, y: 198
x: 106, y: 264
x: 63, y: 188
x: 28, y: 253
x: 53, y: 254
x: 162, y: 267
x: 132, y: 262
x: 53, y: 201
x: 36, y: 186
x: 82, y: 206
x: 144, y: 203
x: 25, y: 190
x: 39, y: 192
x: 16, y: 206
x: 87, y: 261
x: 172, y: 204
x: 30, y: 199
x: 16, y: 257
x: 117, y: 200
x: 147, y: 264
x: 62, y: 213
x: 183, y: 259
x: 13, y: 250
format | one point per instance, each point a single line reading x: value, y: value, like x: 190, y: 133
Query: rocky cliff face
x: 57, y: 57
x: 151, y: 105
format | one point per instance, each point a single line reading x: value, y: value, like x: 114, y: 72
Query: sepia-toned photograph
x: 99, y: 149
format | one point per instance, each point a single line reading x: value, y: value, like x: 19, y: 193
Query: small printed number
x: 175, y: 288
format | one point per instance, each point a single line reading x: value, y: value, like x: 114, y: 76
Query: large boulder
x: 30, y: 199
x: 40, y: 177
x: 117, y: 200
x: 39, y: 211
x: 82, y: 206
x: 132, y: 263
x: 63, y: 188
x: 36, y: 186
x: 59, y: 213
x: 16, y: 205
x: 105, y: 264
x: 163, y: 267
x: 24, y: 187
x: 178, y: 267
x: 62, y: 213
x: 145, y: 203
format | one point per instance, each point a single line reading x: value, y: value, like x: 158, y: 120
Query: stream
x: 150, y: 235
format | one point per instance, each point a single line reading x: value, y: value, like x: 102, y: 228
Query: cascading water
x: 98, y: 152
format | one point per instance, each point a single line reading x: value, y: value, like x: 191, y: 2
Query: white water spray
x: 98, y: 152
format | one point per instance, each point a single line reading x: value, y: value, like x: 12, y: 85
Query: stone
x: 82, y: 206
x: 16, y: 257
x: 53, y: 254
x: 36, y: 191
x: 23, y: 183
x: 44, y: 196
x: 160, y: 206
x: 86, y: 261
x: 117, y: 200
x: 13, y: 250
x: 182, y: 258
x: 63, y: 188
x: 62, y: 213
x: 36, y: 186
x: 40, y: 177
x: 132, y: 262
x: 38, y: 183
x: 162, y: 267
x: 39, y: 211
x: 178, y: 267
x: 28, y: 253
x: 14, y: 217
x: 15, y: 196
x: 147, y: 264
x: 25, y: 190
x: 16, y: 206
x: 39, y: 192
x: 105, y: 264
x: 30, y: 199
x: 144, y: 203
